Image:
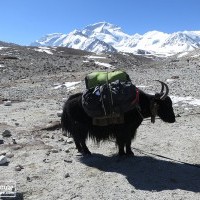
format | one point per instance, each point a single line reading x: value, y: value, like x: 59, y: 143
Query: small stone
x: 67, y: 150
x: 64, y: 99
x: 46, y: 160
x: 28, y: 179
x: 16, y: 124
x: 46, y: 136
x: 68, y: 160
x: 59, y: 113
x: 61, y: 140
x: 1, y: 142
x: 14, y: 141
x: 3, y: 160
x: 48, y: 153
x: 16, y: 147
x: 19, y: 168
x: 6, y: 133
x: 9, y: 155
x: 69, y: 141
x: 7, y: 103
x: 67, y: 175
x: 54, y: 150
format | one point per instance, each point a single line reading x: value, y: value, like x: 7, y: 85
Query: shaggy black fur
x: 79, y: 125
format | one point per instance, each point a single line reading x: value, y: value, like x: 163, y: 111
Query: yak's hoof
x: 83, y: 154
x: 86, y: 152
x: 129, y: 153
x: 80, y: 150
x: 121, y: 153
x: 121, y: 157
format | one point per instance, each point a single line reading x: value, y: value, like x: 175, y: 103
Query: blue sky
x: 24, y: 21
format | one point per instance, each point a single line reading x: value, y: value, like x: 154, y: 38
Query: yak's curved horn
x: 162, y: 94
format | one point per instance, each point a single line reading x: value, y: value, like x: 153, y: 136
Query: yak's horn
x: 162, y: 94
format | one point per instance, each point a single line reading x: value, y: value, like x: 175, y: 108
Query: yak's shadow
x: 148, y: 173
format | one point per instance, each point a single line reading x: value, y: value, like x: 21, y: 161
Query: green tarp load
x: 99, y: 78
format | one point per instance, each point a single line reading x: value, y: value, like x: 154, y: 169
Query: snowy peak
x: 101, y: 27
x: 96, y: 38
x: 164, y: 44
x: 107, y: 37
x: 77, y: 40
x: 180, y: 39
x: 48, y: 40
x: 106, y: 32
x: 151, y: 39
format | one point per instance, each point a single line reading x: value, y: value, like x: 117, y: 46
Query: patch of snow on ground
x: 182, y: 54
x: 196, y: 56
x: 68, y: 85
x: 44, y: 49
x: 3, y: 48
x: 170, y: 80
x: 96, y: 57
x: 105, y: 65
x: 1, y: 66
x: 143, y: 86
x: 186, y: 100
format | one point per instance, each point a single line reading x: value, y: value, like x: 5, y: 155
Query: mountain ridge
x: 106, y: 37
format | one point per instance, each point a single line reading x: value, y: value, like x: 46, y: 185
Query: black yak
x: 77, y: 124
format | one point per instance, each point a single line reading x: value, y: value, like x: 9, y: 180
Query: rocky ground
x: 45, y: 164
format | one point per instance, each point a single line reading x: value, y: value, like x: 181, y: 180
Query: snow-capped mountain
x: 106, y: 37
x: 77, y: 40
x: 106, y: 32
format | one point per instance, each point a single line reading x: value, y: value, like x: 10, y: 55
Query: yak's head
x: 161, y: 105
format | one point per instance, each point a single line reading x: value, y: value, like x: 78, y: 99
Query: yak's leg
x: 83, y: 136
x: 81, y: 146
x: 120, y: 140
x: 78, y: 146
x: 121, y: 145
x: 80, y: 135
x: 129, y: 152
x: 76, y: 136
x: 121, y: 149
x: 85, y: 149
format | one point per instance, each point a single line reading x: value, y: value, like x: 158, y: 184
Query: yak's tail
x: 67, y: 124
x: 65, y: 119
